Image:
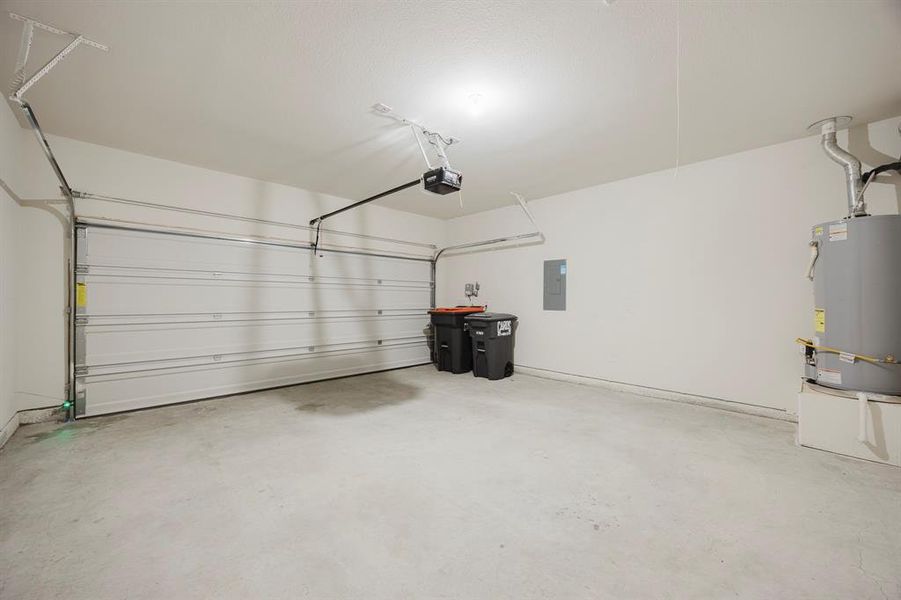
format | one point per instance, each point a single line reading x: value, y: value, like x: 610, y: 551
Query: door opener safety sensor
x: 440, y: 178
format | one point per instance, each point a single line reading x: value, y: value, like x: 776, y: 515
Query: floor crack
x: 877, y: 580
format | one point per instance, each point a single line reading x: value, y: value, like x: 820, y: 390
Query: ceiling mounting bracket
x: 438, y: 141
x: 20, y: 85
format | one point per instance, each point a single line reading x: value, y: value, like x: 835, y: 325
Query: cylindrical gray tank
x: 857, y: 295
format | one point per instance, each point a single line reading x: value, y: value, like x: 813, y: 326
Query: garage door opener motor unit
x: 442, y: 181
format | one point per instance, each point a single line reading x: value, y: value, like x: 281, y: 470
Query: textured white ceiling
x: 573, y: 93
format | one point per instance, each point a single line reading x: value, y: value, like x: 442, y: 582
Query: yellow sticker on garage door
x: 81, y: 294
x: 819, y: 320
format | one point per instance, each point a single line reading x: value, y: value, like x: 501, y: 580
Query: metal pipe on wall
x: 857, y: 206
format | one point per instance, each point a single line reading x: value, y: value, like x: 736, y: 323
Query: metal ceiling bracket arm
x: 425, y: 156
x: 46, y: 68
x: 22, y: 86
x: 22, y: 60
x: 435, y: 139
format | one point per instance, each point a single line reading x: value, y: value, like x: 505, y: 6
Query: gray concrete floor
x: 418, y: 484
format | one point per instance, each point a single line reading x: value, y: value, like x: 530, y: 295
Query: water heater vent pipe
x: 857, y: 206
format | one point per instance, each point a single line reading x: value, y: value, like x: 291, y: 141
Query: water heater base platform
x: 829, y: 420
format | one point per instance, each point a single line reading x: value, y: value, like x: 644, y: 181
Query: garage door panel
x: 150, y: 250
x: 135, y: 295
x: 129, y: 342
x: 243, y: 317
x: 260, y: 277
x: 240, y: 358
x: 166, y: 317
x: 114, y: 393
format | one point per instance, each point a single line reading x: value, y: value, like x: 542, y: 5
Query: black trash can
x: 492, y: 344
x: 451, y: 347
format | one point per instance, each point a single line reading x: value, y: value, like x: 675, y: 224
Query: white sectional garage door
x: 166, y: 317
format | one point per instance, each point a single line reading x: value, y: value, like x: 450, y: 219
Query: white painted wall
x: 11, y: 140
x: 688, y: 280
x: 8, y: 213
x: 40, y: 287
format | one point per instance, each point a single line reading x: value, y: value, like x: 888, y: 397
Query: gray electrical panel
x: 857, y: 295
x: 555, y: 284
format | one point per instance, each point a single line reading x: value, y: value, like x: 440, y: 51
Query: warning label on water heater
x: 504, y: 327
x: 819, y: 320
x: 838, y: 232
x: 832, y: 376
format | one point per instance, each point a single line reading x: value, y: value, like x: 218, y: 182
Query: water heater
x: 856, y: 343
x: 856, y: 272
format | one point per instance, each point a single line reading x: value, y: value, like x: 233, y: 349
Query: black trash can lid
x: 491, y: 316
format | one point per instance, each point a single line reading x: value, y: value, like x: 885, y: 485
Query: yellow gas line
x: 890, y: 359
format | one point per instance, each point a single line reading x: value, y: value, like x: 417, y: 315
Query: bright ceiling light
x: 478, y: 97
x: 475, y: 103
